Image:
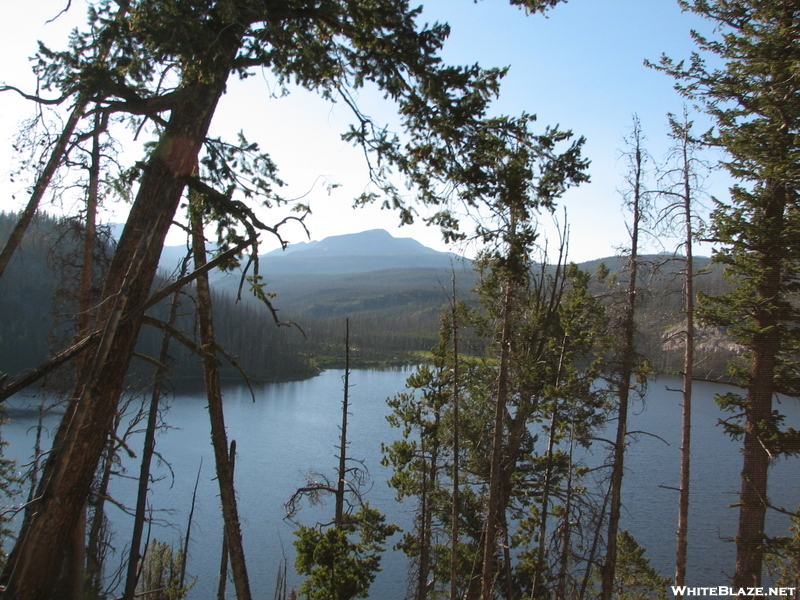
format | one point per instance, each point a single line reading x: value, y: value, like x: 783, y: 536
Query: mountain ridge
x: 365, y: 251
x: 361, y: 252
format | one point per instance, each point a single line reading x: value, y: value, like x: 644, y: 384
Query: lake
x: 292, y: 429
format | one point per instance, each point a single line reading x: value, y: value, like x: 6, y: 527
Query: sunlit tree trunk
x: 35, y: 561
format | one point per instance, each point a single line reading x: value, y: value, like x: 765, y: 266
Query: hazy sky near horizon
x: 581, y: 68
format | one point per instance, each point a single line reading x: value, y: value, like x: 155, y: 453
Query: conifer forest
x: 524, y: 362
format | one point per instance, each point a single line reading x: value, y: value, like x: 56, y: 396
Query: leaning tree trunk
x: 35, y: 560
x: 42, y: 183
x: 219, y: 438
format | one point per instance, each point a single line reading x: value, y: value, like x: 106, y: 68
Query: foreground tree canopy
x: 754, y: 99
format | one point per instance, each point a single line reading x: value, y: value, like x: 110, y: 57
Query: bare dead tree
x: 219, y: 439
x: 626, y: 369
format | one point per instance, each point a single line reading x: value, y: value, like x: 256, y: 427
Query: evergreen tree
x: 559, y: 331
x: 341, y: 562
x: 754, y: 99
x: 635, y: 578
x: 330, y: 47
x: 421, y: 461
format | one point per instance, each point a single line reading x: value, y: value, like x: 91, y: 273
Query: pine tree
x: 754, y: 99
x: 680, y: 186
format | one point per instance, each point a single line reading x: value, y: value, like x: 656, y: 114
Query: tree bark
x: 624, y: 376
x: 67, y: 477
x: 219, y: 438
x: 688, y: 371
x: 765, y: 346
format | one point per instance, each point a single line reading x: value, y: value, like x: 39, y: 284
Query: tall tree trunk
x: 596, y: 536
x: 94, y: 553
x: 688, y: 370
x: 223, y: 561
x: 430, y: 477
x: 35, y: 560
x: 77, y: 566
x: 628, y: 352
x: 563, y: 569
x: 424, y: 533
x: 495, y: 504
x: 766, y: 342
x: 219, y: 438
x: 188, y: 537
x: 753, y: 495
x: 456, y: 440
x: 538, y: 578
x: 342, y: 470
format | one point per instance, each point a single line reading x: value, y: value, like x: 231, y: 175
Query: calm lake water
x: 292, y: 429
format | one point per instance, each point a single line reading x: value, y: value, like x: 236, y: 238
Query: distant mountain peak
x: 369, y: 250
x: 370, y: 242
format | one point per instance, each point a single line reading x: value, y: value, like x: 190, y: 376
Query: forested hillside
x: 39, y: 289
x: 395, y: 312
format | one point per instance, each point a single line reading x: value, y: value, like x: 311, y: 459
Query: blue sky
x: 581, y: 68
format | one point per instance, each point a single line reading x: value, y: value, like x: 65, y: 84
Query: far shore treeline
x: 395, y: 314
